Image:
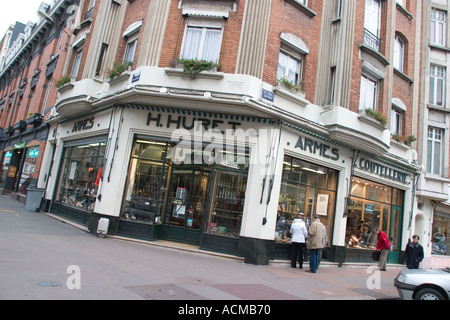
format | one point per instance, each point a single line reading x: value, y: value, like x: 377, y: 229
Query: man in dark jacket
x: 413, y: 253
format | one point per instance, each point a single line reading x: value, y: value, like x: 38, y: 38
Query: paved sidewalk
x: 38, y: 253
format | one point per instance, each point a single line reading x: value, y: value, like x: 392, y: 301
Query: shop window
x: 441, y: 227
x: 305, y: 188
x: 373, y: 205
x: 80, y: 175
x: 186, y: 187
x: 5, y: 167
x: 29, y: 166
x: 146, y: 183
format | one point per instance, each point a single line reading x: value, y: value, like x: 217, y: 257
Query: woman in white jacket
x: 298, y: 239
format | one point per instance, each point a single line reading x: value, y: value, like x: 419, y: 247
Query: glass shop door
x: 185, y: 205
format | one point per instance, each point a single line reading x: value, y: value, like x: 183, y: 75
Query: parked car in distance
x: 423, y: 284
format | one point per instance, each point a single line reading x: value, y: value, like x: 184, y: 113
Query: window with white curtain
x: 372, y: 17
x: 76, y: 64
x: 202, y: 41
x: 290, y: 68
x: 397, y: 116
x: 368, y: 94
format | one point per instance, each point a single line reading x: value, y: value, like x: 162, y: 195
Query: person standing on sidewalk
x: 413, y: 253
x: 316, y: 233
x: 298, y: 234
x: 383, y: 245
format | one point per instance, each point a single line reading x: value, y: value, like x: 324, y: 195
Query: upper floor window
x: 399, y: 53
x: 435, y: 138
x: 437, y: 85
x: 438, y: 25
x: 290, y: 68
x: 76, y: 64
x: 202, y: 41
x: 372, y: 18
x: 90, y: 10
x: 368, y: 94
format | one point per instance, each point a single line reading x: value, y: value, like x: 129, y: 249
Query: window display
x: 439, y: 240
x: 148, y: 172
x: 305, y: 188
x: 373, y: 205
x: 80, y: 175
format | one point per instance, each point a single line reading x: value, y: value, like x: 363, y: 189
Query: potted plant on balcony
x: 62, y: 81
x: 377, y: 115
x: 285, y: 82
x: 117, y: 69
x: 195, y: 66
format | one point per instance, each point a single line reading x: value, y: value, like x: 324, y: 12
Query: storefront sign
x: 183, y: 122
x: 381, y: 170
x: 315, y: 147
x: 82, y: 125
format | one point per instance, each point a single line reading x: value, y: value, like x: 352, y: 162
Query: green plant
x: 397, y: 137
x: 62, y: 81
x: 194, y: 66
x: 288, y: 83
x: 409, y: 140
x: 377, y: 115
x: 117, y: 69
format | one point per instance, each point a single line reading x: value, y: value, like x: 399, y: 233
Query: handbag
x: 376, y: 255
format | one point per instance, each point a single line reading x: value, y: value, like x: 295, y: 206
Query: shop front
x: 157, y: 174
x: 378, y: 196
x: 184, y: 201
x: 21, y: 158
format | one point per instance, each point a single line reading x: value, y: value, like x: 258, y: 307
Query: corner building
x: 298, y: 108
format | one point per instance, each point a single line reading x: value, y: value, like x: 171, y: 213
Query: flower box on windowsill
x: 66, y: 87
x: 291, y: 94
x: 178, y: 70
x: 363, y: 116
x: 120, y: 78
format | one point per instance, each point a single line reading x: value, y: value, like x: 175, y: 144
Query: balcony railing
x: 372, y: 41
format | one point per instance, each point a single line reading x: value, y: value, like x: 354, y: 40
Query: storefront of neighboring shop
x: 23, y: 148
x: 352, y: 192
x: 158, y: 173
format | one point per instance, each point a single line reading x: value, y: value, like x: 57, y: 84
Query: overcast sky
x: 18, y: 10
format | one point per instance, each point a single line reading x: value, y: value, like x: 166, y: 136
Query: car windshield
x: 447, y: 270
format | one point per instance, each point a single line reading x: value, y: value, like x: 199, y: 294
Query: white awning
x: 135, y: 26
x: 206, y: 13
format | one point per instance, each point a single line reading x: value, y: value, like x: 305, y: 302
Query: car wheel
x: 429, y: 294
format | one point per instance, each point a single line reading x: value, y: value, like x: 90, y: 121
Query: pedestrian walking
x: 298, y: 239
x: 316, y: 233
x: 413, y: 253
x: 383, y: 245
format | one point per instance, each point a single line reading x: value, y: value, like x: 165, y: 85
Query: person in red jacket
x: 384, y: 246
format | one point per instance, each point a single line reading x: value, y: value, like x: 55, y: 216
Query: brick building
x: 215, y: 122
x: 33, y: 59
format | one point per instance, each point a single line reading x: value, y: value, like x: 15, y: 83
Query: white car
x: 423, y: 284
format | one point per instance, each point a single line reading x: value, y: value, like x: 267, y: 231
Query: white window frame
x: 290, y: 60
x: 438, y: 27
x: 369, y: 87
x: 76, y: 63
x: 399, y: 53
x: 438, y: 76
x: 130, y: 41
x: 435, y: 152
x: 204, y: 26
x: 397, y: 117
